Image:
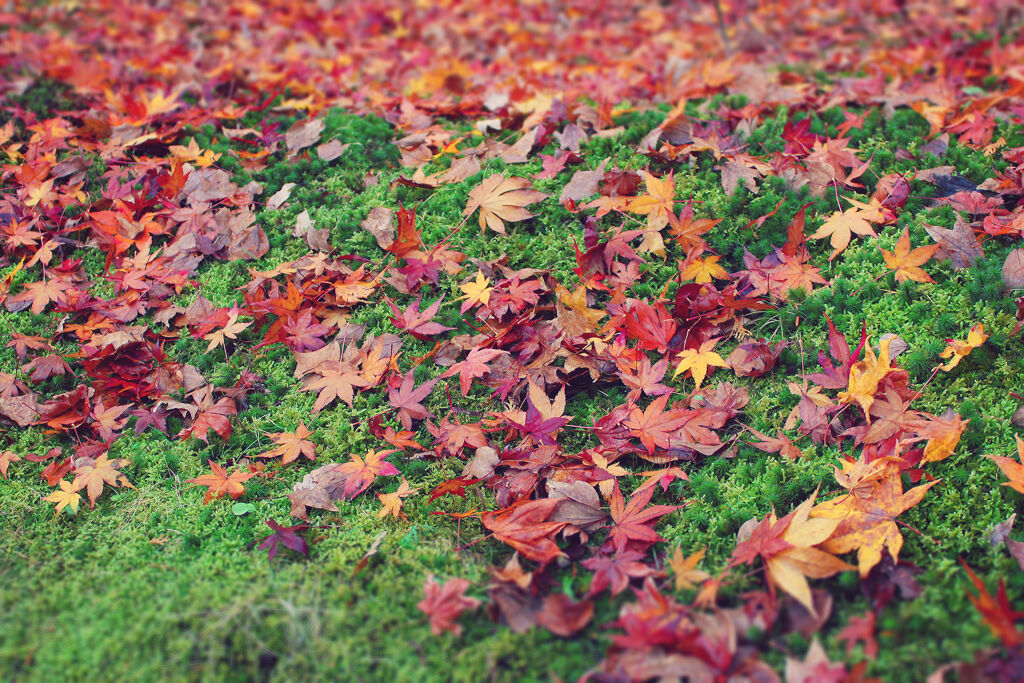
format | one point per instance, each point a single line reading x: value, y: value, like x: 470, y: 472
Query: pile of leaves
x: 111, y: 210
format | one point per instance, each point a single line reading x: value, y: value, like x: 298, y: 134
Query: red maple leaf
x: 444, y: 603
x: 632, y: 520
x: 408, y: 399
x: 525, y: 527
x: 212, y: 414
x: 452, y: 487
x: 418, y: 323
x: 362, y: 471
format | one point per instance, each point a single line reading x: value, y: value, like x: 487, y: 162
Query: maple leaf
x: 697, y: 361
x: 631, y: 521
x: 646, y: 378
x: 443, y: 604
x: 403, y: 439
x: 1014, y: 471
x: 841, y: 225
x: 66, y: 497
x: 230, y: 330
x: 960, y: 245
x: 654, y: 426
x: 659, y: 202
x: 284, y: 535
x: 542, y: 419
x: 906, y: 262
x: 957, y: 350
x: 943, y: 434
x: 755, y: 358
x: 318, y: 489
x: 788, y: 548
x: 361, y: 471
x: 687, y: 231
x: 453, y: 487
x: 860, y: 629
x: 290, y: 445
x: 616, y: 571
x: 212, y: 414
x: 474, y: 365
x: 44, y: 367
x: 816, y: 668
x: 685, y: 568
x: 303, y: 333
x: 525, y: 527
x: 865, y: 376
x: 780, y: 444
x: 43, y: 293
x: 703, y: 270
x: 996, y: 611
x: 475, y: 292
x: 610, y: 470
x: 219, y: 482
x: 109, y: 421
x: 392, y: 502
x: 408, y: 399
x: 663, y: 477
x: 418, y: 323
x: 867, y: 519
x: 92, y: 475
x: 501, y: 199
x: 337, y: 379
x: 6, y: 458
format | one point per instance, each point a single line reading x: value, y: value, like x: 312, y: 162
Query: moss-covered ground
x: 153, y: 584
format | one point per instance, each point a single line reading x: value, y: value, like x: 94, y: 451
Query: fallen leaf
x: 501, y: 199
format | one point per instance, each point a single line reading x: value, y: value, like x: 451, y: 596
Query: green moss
x: 153, y: 570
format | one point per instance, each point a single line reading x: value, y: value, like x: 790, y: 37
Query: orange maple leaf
x: 659, y: 202
x: 6, y: 458
x: 91, y: 476
x: 392, y: 502
x: 907, y: 262
x: 840, y: 226
x: 219, y: 482
x: 290, y: 445
x: 867, y: 518
x: 1014, y: 471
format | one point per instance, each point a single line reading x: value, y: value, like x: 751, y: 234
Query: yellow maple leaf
x: 697, y: 361
x: 392, y: 502
x: 65, y: 497
x: 865, y: 376
x: 957, y: 350
x: 477, y: 292
x: 702, y: 270
x: 907, y: 262
x: 790, y: 568
x: 659, y: 201
x: 685, y: 569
